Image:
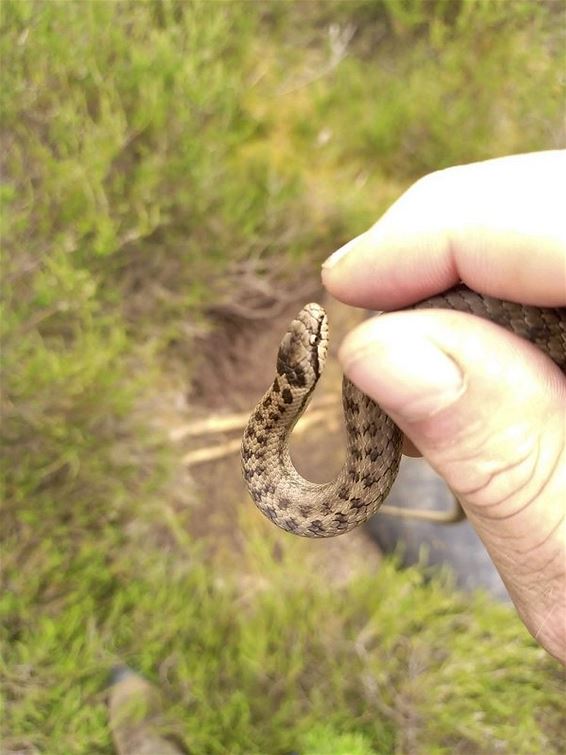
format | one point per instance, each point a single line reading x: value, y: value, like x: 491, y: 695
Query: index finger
x: 497, y: 226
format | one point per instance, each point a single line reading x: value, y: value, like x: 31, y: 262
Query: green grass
x: 149, y: 150
x: 288, y: 663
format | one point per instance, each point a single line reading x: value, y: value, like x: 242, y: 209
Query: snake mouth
x: 315, y: 321
x: 318, y: 347
x: 302, y: 352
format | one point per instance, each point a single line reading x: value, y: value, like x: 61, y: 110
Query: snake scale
x: 373, y: 440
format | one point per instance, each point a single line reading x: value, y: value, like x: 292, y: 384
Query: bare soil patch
x: 235, y: 366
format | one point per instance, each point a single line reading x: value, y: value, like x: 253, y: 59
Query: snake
x: 374, y: 442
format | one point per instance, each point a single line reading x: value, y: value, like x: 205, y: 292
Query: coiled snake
x: 373, y: 440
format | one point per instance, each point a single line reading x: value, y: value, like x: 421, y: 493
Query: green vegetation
x: 149, y: 150
x: 287, y: 663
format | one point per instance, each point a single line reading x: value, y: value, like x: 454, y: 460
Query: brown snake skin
x: 373, y: 440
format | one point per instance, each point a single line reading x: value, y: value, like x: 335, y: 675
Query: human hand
x: 486, y: 409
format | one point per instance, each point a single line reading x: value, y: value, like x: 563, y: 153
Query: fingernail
x: 414, y: 379
x: 340, y: 253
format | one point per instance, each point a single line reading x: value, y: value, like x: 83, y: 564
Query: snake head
x: 302, y: 352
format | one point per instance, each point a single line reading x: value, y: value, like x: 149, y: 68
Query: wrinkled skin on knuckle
x: 500, y: 472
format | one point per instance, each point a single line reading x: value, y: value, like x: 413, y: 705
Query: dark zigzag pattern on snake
x: 373, y: 440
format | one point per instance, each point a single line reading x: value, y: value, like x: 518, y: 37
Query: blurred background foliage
x: 151, y: 152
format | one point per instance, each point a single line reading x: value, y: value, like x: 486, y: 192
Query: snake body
x: 373, y: 440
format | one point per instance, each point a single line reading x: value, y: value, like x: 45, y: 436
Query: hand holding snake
x: 374, y: 442
x: 485, y: 406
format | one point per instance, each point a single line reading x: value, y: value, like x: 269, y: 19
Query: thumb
x: 487, y: 410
